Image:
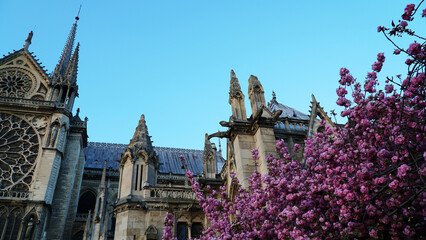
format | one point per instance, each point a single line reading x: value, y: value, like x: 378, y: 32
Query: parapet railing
x: 14, y: 195
x: 174, y: 177
x: 171, y: 177
x: 78, y: 124
x: 81, y: 217
x: 292, y: 125
x: 162, y: 193
x: 30, y: 101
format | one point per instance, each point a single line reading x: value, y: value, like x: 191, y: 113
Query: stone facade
x: 55, y: 185
x: 41, y: 142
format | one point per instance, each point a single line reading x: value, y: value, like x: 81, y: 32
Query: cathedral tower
x: 246, y: 134
x: 236, y: 99
x: 138, y: 170
x: 209, y: 159
x: 41, y: 142
x: 138, y: 161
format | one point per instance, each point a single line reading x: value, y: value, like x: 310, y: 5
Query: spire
x: 71, y: 72
x: 86, y: 234
x: 141, y: 137
x: 236, y: 98
x: 28, y: 40
x: 102, y: 184
x: 273, y: 100
x: 220, y: 148
x: 209, y: 158
x: 234, y: 87
x: 66, y: 53
x: 257, y: 99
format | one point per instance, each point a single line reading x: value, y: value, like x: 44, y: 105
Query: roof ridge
x: 155, y: 147
x: 172, y: 148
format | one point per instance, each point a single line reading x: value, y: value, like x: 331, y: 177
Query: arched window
x: 29, y: 227
x: 86, y: 202
x: 13, y: 224
x: 64, y: 94
x: 78, y: 236
x: 3, y: 217
x: 196, y: 230
x: 321, y: 129
x: 151, y: 233
x: 182, y: 231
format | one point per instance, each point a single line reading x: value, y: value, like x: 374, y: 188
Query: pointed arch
x: 29, y: 224
x: 3, y: 219
x: 151, y: 233
x: 87, y: 201
x: 13, y: 224
x: 53, y: 133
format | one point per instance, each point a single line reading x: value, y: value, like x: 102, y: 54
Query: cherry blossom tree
x: 365, y: 180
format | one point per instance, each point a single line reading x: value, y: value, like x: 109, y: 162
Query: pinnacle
x: 141, y: 137
x: 233, y: 74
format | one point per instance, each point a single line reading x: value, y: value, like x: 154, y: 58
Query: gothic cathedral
x: 41, y: 145
x: 56, y: 185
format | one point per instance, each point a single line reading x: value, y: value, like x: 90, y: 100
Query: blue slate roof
x: 97, y: 153
x: 289, y: 112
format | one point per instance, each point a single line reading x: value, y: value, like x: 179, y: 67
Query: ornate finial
x: 66, y: 53
x: 233, y: 74
x: 78, y: 112
x: 141, y: 138
x: 220, y: 147
x: 78, y: 14
x: 274, y: 97
x: 71, y: 71
x: 102, y: 184
x: 235, y: 85
x: 28, y: 40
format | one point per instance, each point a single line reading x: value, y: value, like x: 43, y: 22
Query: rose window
x: 14, y: 83
x: 19, y: 146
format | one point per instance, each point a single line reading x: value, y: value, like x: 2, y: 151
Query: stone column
x: 64, y: 188
x: 119, y: 182
x: 74, y: 197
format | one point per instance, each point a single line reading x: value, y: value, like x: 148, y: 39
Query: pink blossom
x: 362, y: 180
x: 296, y: 147
x: 407, y: 12
x: 397, y: 52
x: 373, y: 233
x: 343, y: 71
x: 389, y: 88
x: 402, y: 170
x: 414, y: 49
x: 394, y: 184
x: 341, y: 92
x: 377, y: 66
x: 404, y: 24
x: 381, y: 57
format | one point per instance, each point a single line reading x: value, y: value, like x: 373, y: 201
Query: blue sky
x: 171, y: 60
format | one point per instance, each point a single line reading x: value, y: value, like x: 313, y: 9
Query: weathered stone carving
x: 19, y: 147
x: 51, y: 138
x: 15, y: 83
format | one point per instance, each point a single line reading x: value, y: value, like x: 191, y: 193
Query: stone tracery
x: 14, y: 83
x: 19, y: 147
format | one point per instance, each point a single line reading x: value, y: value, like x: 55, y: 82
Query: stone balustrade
x: 81, y: 217
x: 14, y: 195
x: 162, y: 193
x: 292, y: 125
